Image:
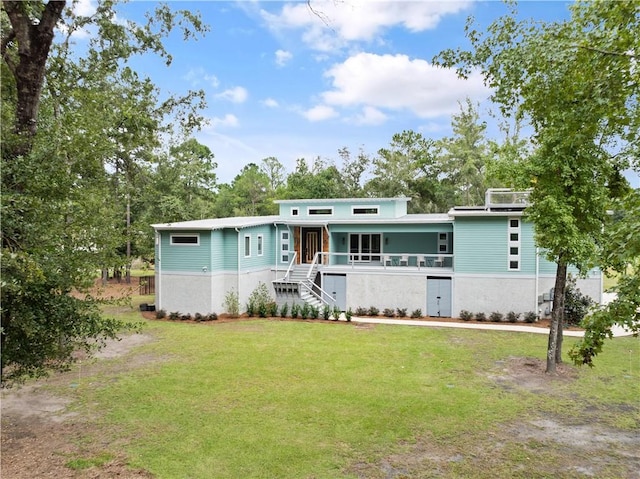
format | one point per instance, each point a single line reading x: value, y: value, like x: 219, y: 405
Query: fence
x: 147, y: 285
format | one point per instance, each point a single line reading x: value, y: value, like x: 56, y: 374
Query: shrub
x: 185, y: 317
x: 466, y: 315
x: 263, y: 310
x: 326, y: 312
x: 496, y: 317
x: 284, y: 310
x: 336, y: 312
x: 174, y: 315
x: 198, y: 317
x: 576, y: 304
x: 295, y: 310
x: 161, y: 314
x: 212, y: 317
x: 360, y: 311
x: 232, y: 303
x: 388, y: 312
x: 373, y: 311
x: 348, y: 314
x: 512, y: 316
x: 251, y: 308
x: 304, y: 311
x: 402, y: 312
x: 416, y: 313
x: 530, y: 317
x: 481, y: 316
x: 272, y: 309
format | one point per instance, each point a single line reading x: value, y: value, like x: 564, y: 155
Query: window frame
x: 184, y: 235
x: 284, y: 246
x: 260, y: 245
x: 514, y: 261
x: 365, y: 207
x: 247, y: 246
x: 311, y: 210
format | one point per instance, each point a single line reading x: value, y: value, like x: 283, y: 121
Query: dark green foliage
x: 348, y: 314
x: 360, y: 311
x: 263, y: 310
x: 336, y: 312
x: 284, y: 310
x: 576, y: 304
x: 373, y: 311
x: 305, y: 310
x: 512, y: 316
x: 185, y: 317
x: 251, y: 308
x: 402, y: 312
x: 212, y: 317
x: 466, y: 315
x: 314, y: 312
x: 388, y: 312
x: 480, y: 316
x: 416, y: 313
x: 198, y: 317
x: 161, y: 314
x: 326, y: 312
x: 295, y: 310
x: 496, y: 317
x: 258, y: 302
x: 174, y: 315
x: 272, y: 309
x: 530, y: 317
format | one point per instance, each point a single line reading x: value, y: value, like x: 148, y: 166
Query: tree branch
x: 607, y: 52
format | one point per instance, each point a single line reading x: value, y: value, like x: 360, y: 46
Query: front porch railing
x: 384, y: 260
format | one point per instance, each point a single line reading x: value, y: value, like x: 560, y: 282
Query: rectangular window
x: 185, y: 239
x: 365, y: 210
x: 284, y: 246
x: 365, y: 247
x: 443, y: 243
x: 260, y: 245
x: 514, y: 232
x: 314, y: 211
x: 295, y: 211
x: 247, y: 246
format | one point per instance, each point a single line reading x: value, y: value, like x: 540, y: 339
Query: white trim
x: 380, y: 254
x: 514, y: 243
x: 310, y: 208
x: 443, y: 242
x: 244, y: 246
x: 367, y: 207
x: 297, y: 211
x: 184, y: 235
x: 285, y: 242
x: 260, y: 245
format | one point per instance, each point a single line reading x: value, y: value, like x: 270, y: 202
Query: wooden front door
x: 310, y: 243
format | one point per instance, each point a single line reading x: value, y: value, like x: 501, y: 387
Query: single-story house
x: 363, y: 252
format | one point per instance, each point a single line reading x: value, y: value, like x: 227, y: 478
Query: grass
x: 291, y: 399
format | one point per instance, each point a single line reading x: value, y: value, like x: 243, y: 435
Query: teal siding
x: 342, y: 210
x: 480, y: 245
x: 392, y: 228
x: 217, y: 259
x: 229, y: 249
x: 254, y: 261
x: 410, y: 243
x: 188, y: 258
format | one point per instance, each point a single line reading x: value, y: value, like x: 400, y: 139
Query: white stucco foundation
x: 386, y: 291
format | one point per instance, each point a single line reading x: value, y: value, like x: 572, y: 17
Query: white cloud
x: 320, y: 113
x: 328, y: 24
x: 235, y: 95
x: 397, y: 82
x: 283, y: 57
x: 370, y: 116
x: 84, y: 8
x: 270, y: 102
x: 229, y: 121
x: 196, y: 76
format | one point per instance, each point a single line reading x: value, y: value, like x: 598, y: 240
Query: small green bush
x: 576, y: 304
x: 373, y: 311
x: 326, y: 312
x: 360, y: 311
x: 232, y: 303
x: 295, y: 310
x: 284, y: 310
x: 402, y: 312
x: 198, y: 317
x: 481, y: 316
x: 466, y: 315
x: 185, y: 317
x: 272, y: 309
x: 304, y: 311
x: 530, y: 317
x: 496, y: 317
x: 388, y: 312
x: 336, y: 312
x: 512, y: 316
x: 212, y: 317
x: 416, y: 313
x: 174, y: 315
x: 263, y: 310
x: 348, y: 314
x: 161, y: 314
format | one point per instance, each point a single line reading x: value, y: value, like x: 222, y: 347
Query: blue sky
x: 281, y: 81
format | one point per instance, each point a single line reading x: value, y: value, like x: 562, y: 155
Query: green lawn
x: 278, y: 399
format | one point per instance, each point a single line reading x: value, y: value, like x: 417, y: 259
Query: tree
x: 275, y: 171
x: 352, y: 171
x: 57, y: 226
x: 465, y: 156
x: 576, y: 83
x: 322, y: 180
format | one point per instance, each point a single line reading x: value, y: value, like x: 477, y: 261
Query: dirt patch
x: 529, y: 374
x: 41, y: 436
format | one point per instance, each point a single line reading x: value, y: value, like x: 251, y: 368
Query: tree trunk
x: 554, y: 347
x: 34, y: 41
x: 128, y: 267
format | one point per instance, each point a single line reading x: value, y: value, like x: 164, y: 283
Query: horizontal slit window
x: 320, y: 211
x: 365, y: 210
x: 191, y: 240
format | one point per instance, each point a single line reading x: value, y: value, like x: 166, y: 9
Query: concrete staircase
x: 298, y: 275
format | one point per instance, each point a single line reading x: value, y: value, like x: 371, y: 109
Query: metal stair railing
x: 309, y: 286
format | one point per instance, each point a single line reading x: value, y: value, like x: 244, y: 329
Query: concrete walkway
x: 617, y: 332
